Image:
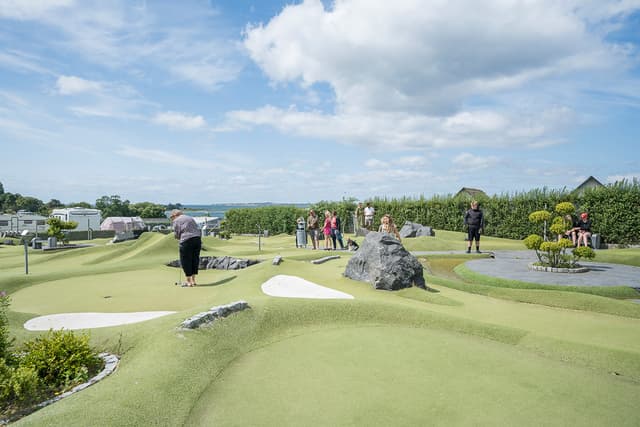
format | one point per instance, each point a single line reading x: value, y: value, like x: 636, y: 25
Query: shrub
x: 5, y: 340
x: 19, y: 385
x: 61, y: 358
x: 584, y: 252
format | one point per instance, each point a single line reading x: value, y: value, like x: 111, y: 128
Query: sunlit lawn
x: 441, y: 357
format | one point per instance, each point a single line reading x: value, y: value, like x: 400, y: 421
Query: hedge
x: 614, y: 211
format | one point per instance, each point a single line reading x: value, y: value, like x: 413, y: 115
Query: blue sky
x: 290, y: 101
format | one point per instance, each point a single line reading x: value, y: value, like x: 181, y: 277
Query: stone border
x: 214, y: 313
x: 325, y: 259
x: 110, y: 365
x: 534, y: 267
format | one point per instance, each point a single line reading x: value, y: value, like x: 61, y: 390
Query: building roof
x: 590, y: 182
x: 471, y: 192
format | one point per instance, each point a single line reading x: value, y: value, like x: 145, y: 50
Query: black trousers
x: 190, y: 255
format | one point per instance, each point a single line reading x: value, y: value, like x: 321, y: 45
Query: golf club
x: 179, y: 282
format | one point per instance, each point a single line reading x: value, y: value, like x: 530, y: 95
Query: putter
x: 179, y: 282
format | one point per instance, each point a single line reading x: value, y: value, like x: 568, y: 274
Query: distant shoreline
x: 219, y: 209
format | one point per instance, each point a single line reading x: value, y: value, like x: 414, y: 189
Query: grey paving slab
x: 514, y: 265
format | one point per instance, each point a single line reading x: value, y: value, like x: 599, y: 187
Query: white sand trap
x: 296, y: 287
x: 89, y: 320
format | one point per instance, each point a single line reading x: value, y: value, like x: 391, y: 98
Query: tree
x: 30, y: 204
x: 113, y: 206
x: 58, y: 226
x: 54, y: 203
x: 148, y: 210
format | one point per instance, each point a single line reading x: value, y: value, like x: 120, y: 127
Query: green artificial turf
x: 408, y: 376
x: 462, y: 353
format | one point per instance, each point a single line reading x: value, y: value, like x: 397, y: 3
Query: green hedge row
x: 614, y: 211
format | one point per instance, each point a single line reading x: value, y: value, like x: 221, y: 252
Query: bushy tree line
x: 613, y: 209
x: 108, y: 205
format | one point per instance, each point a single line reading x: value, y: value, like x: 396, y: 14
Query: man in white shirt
x: 369, y: 212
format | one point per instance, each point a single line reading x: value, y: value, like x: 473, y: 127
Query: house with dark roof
x: 589, y: 183
x: 471, y: 193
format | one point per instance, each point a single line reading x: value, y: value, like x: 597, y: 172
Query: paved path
x: 513, y: 265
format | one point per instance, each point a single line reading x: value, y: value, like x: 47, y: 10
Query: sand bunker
x: 89, y: 320
x: 296, y: 287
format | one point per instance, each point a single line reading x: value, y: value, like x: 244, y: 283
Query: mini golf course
x: 467, y: 352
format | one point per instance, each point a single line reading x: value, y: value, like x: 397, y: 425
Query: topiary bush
x: 554, y: 253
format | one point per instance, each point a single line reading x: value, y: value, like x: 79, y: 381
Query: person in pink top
x: 326, y: 230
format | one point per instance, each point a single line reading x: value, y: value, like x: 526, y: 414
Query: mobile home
x: 14, y: 224
x: 86, y: 218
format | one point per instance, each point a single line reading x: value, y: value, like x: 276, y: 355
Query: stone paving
x: 514, y: 265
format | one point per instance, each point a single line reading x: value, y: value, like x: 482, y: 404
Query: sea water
x: 219, y: 209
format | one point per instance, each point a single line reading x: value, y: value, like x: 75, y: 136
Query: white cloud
x: 32, y: 9
x: 410, y: 75
x: 207, y: 75
x: 166, y: 157
x: 469, y: 162
x: 375, y: 164
x: 71, y: 85
x: 22, y: 62
x: 408, y: 55
x: 403, y: 131
x: 176, y: 120
x: 410, y: 161
x: 124, y: 35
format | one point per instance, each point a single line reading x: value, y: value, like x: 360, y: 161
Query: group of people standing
x: 331, y: 226
x: 331, y: 230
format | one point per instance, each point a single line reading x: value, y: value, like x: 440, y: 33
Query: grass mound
x: 466, y: 353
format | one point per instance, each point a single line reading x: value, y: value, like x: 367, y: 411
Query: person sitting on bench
x: 585, y: 229
x: 573, y: 230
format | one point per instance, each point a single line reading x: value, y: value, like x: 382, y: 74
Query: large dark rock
x: 219, y: 263
x: 361, y: 232
x: 412, y: 229
x: 385, y: 263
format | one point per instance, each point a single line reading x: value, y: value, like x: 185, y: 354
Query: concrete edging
x: 534, y: 267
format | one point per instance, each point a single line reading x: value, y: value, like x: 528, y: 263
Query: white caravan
x: 85, y: 217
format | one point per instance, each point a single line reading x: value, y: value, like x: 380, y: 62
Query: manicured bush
x: 60, y: 358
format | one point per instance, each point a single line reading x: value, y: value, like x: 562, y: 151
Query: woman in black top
x: 585, y: 229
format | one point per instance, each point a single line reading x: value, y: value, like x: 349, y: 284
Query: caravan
x: 87, y: 219
x: 14, y: 224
